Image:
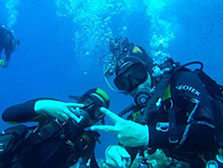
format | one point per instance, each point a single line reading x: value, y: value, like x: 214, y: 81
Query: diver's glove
x: 128, y: 133
x: 117, y: 156
x: 60, y: 110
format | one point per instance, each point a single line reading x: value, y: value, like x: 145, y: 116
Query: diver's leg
x: 1, y: 60
x: 7, y: 58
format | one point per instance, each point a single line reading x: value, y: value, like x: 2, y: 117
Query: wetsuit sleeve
x: 199, y: 138
x: 22, y: 112
x: 194, y: 126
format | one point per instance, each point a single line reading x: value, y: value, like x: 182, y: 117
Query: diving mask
x: 131, y: 76
x: 93, y: 100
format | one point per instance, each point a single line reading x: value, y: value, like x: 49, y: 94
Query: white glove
x: 57, y: 109
x: 117, y: 157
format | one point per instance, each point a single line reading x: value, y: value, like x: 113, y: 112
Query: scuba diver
x: 8, y: 43
x: 60, y: 138
x: 175, y: 109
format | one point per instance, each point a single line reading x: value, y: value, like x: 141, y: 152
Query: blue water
x: 62, y: 40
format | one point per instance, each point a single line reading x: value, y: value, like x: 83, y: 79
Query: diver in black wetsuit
x: 8, y: 43
x: 60, y: 138
x: 173, y: 110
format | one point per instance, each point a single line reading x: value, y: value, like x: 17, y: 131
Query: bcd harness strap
x: 154, y: 105
x: 155, y: 101
x: 173, y: 138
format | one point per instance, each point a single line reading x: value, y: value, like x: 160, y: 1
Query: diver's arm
x: 160, y: 139
x: 199, y: 137
x: 34, y: 109
x: 20, y: 113
x: 5, y: 63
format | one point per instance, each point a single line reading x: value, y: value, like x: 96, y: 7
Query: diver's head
x: 130, y: 73
x: 133, y: 67
x: 9, y: 37
x: 134, y: 71
x: 138, y: 79
x: 93, y: 100
x: 123, y: 55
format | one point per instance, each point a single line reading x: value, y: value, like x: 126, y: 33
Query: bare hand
x: 57, y: 109
x: 128, y: 133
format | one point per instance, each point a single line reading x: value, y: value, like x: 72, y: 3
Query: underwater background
x: 62, y: 42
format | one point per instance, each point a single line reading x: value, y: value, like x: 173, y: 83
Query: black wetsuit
x: 7, y: 42
x: 51, y: 144
x: 195, y: 120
